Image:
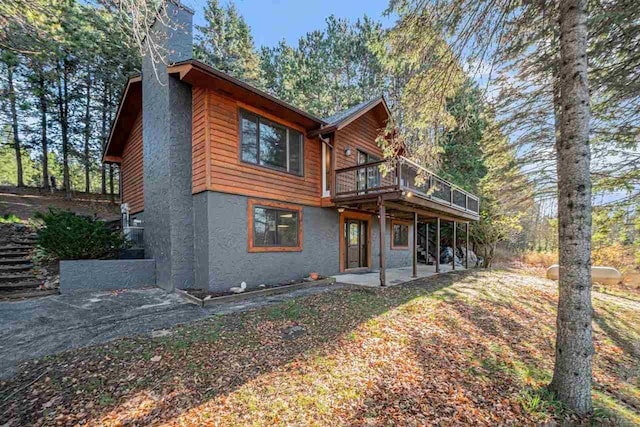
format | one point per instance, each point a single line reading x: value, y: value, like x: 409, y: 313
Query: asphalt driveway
x: 49, y: 325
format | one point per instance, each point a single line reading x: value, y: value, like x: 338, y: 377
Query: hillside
x: 25, y: 202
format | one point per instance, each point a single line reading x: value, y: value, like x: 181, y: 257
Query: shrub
x: 66, y: 235
x: 10, y: 219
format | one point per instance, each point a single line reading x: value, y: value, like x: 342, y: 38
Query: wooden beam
x: 382, y: 242
x: 437, y: 245
x: 453, y: 259
x: 466, y: 255
x: 415, y: 244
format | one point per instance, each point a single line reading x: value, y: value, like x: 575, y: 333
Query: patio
x: 395, y: 276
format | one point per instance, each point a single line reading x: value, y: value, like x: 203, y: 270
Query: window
x: 269, y: 144
x: 326, y: 170
x: 274, y: 226
x: 369, y: 178
x: 400, y: 235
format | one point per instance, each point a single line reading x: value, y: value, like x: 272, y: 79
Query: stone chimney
x: 166, y: 121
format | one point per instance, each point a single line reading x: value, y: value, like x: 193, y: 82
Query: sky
x: 273, y: 20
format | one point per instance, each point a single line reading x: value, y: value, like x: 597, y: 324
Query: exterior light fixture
x: 340, y: 210
x: 409, y: 194
x: 347, y: 150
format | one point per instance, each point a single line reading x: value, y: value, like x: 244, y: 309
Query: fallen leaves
x: 471, y: 348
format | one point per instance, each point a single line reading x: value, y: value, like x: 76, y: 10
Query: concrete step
x: 14, y: 254
x: 15, y: 247
x: 25, y: 284
x: 27, y: 293
x: 14, y: 261
x: 15, y: 277
x: 16, y: 267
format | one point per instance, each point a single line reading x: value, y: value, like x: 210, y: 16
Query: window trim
x: 261, y: 117
x: 326, y: 149
x: 253, y: 203
x: 395, y: 222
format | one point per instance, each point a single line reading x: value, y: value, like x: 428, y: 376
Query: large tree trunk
x: 87, y: 138
x: 103, y: 134
x: 574, y: 346
x: 14, y: 124
x: 43, y: 131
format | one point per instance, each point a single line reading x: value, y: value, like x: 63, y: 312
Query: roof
x: 344, y: 114
x: 197, y: 73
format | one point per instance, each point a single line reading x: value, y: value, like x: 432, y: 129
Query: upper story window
x: 270, y: 144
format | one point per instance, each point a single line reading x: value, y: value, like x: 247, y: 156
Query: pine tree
x: 225, y: 43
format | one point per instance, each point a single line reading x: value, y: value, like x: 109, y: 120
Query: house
x: 235, y: 185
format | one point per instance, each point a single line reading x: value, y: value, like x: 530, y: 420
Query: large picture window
x: 270, y: 144
x: 400, y: 236
x: 274, y: 226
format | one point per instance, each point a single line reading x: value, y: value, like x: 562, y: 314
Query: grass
x: 465, y: 348
x: 9, y: 219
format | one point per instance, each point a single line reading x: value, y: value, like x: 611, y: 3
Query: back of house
x: 232, y: 184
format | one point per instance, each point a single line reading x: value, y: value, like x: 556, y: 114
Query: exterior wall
x: 106, y: 275
x: 166, y: 106
x: 217, y: 166
x: 222, y: 219
x: 360, y: 134
x: 131, y: 169
x: 222, y: 259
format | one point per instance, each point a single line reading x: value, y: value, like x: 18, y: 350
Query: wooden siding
x: 131, y: 169
x: 221, y: 163
x: 361, y: 134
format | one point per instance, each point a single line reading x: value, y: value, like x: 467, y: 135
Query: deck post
x: 466, y: 255
x: 453, y: 259
x: 426, y: 235
x: 415, y: 244
x: 382, y: 214
x: 437, y: 245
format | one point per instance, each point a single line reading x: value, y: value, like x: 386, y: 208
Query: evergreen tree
x: 225, y: 43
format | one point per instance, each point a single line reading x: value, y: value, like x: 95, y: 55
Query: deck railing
x: 405, y: 175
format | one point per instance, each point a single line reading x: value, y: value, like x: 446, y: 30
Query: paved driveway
x: 48, y: 325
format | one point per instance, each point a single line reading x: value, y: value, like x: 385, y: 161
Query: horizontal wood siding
x: 360, y: 134
x: 199, y: 155
x: 229, y: 175
x: 131, y: 169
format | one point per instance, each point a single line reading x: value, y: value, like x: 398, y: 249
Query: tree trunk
x: 14, y: 124
x: 574, y: 346
x: 43, y: 131
x: 103, y: 134
x: 87, y: 137
x: 111, y: 185
x: 63, y: 106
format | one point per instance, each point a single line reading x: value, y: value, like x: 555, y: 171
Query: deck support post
x: 415, y: 244
x: 382, y: 214
x: 466, y: 255
x: 437, y: 257
x: 426, y: 236
x: 453, y: 259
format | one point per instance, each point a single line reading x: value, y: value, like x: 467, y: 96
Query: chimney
x: 166, y: 136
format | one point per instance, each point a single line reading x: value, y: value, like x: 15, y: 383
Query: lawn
x: 464, y: 348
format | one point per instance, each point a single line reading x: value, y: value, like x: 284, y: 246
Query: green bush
x: 9, y: 219
x: 66, y: 235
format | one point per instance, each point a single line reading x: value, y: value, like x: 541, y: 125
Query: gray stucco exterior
x: 222, y: 259
x: 166, y: 117
x: 106, y: 275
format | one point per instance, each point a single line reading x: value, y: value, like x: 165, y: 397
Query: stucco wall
x: 106, y: 275
x: 166, y: 105
x: 221, y: 225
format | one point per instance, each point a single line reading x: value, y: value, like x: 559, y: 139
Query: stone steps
x: 14, y: 254
x: 15, y: 277
x: 27, y: 293
x: 14, y: 247
x: 24, y: 284
x: 14, y: 261
x: 15, y: 267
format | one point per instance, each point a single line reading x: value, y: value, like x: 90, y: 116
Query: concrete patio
x: 395, y: 276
